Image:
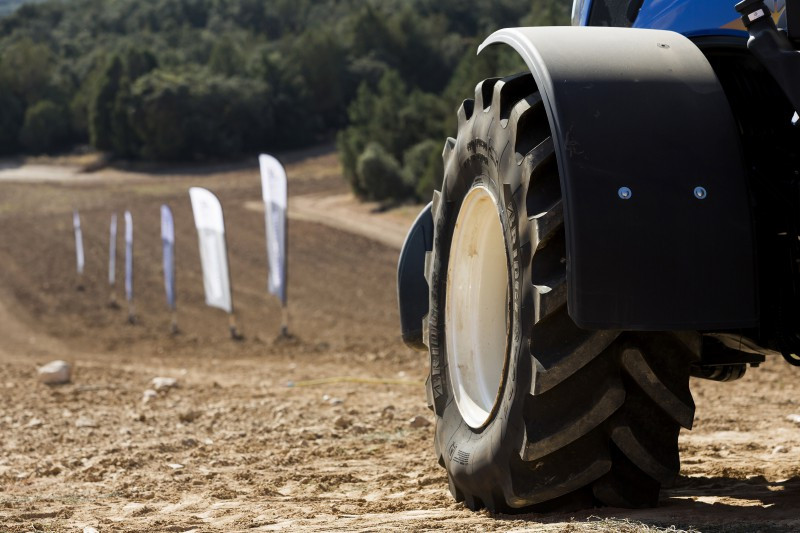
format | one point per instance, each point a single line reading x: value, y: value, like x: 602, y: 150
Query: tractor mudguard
x: 412, y: 289
x: 657, y: 216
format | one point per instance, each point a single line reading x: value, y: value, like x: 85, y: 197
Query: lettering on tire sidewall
x: 514, y: 251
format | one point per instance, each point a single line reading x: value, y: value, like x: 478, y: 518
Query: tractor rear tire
x: 533, y: 412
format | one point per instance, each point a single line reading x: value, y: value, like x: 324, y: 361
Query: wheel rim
x: 476, y: 324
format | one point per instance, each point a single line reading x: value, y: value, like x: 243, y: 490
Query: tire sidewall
x: 477, y: 460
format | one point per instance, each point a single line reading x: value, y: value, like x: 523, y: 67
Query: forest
x: 206, y: 80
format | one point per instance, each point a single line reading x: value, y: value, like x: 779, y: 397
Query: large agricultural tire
x: 533, y: 412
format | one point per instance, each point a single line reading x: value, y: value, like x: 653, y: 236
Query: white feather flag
x: 76, y: 225
x: 273, y: 189
x: 128, y: 256
x: 210, y: 225
x: 112, y: 250
x: 168, y: 246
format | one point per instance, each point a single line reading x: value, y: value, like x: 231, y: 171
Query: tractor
x: 622, y: 216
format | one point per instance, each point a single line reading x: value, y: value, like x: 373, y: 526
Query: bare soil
x: 265, y: 434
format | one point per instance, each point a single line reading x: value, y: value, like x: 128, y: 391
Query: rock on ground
x: 162, y: 383
x: 55, y: 373
x: 148, y: 395
x: 419, y: 422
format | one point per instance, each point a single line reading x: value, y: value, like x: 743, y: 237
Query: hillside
x: 209, y: 80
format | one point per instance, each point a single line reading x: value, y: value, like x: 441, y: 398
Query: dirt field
x: 249, y: 440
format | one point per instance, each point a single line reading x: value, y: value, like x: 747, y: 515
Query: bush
x: 46, y: 126
x: 422, y: 166
x: 397, y: 119
x: 379, y: 174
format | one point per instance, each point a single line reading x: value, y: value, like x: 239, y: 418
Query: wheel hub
x: 476, y: 308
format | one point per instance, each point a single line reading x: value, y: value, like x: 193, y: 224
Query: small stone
x: 359, y: 429
x: 85, y: 422
x: 55, y: 373
x: 388, y: 412
x: 34, y: 423
x: 148, y: 395
x: 175, y: 466
x: 342, y: 422
x: 162, y: 383
x: 336, y: 401
x: 326, y: 398
x: 419, y: 422
x: 187, y: 417
x: 90, y: 529
x: 780, y: 449
x: 793, y: 418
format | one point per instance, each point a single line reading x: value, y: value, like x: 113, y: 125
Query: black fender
x: 412, y: 288
x: 657, y: 214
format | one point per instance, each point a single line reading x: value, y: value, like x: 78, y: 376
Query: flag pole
x: 285, y: 322
x: 112, y: 262
x: 285, y: 295
x: 235, y: 335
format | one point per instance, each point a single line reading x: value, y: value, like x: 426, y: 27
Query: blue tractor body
x: 692, y: 18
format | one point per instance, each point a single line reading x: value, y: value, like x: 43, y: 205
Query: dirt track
x: 234, y: 447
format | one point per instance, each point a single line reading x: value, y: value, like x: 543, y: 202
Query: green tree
x: 25, y: 68
x: 193, y: 113
x: 11, y: 118
x: 295, y: 124
x: 104, y: 110
x: 226, y: 58
x: 550, y: 13
x: 109, y: 107
x: 46, y: 127
x: 321, y: 59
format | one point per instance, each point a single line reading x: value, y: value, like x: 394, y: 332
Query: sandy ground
x: 262, y: 434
